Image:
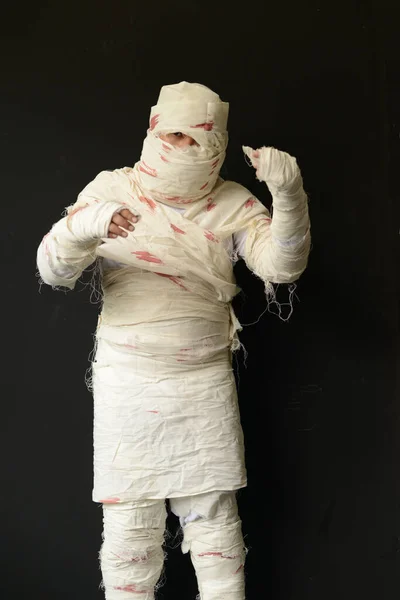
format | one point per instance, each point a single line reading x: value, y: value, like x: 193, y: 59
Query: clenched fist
x: 279, y: 170
x: 121, y: 221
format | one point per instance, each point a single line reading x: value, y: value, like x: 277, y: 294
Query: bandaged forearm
x: 290, y: 221
x: 70, y: 246
x: 277, y: 250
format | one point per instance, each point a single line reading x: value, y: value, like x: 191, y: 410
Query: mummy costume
x: 166, y: 416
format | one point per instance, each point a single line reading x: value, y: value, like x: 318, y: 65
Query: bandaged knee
x: 218, y: 556
x: 212, y: 533
x: 132, y: 556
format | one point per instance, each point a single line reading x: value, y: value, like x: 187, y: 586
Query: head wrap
x: 174, y: 175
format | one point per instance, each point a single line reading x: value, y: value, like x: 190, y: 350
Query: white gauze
x: 177, y: 176
x: 278, y: 169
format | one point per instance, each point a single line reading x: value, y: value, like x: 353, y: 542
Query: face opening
x: 199, y: 145
x: 178, y: 139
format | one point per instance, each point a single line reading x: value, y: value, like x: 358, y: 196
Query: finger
x: 248, y: 151
x: 119, y: 220
x: 117, y: 230
x: 252, y: 155
x: 129, y: 216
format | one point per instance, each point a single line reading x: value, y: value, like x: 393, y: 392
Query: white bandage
x: 215, y: 541
x: 132, y: 556
x: 279, y: 170
x: 173, y: 175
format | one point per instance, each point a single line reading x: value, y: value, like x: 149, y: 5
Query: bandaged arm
x: 70, y: 246
x: 277, y: 249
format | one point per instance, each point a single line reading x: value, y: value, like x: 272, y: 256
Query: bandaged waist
x: 152, y: 315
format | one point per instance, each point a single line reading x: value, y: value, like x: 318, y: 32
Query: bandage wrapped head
x: 176, y: 175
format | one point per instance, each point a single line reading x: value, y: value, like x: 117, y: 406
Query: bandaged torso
x: 164, y: 338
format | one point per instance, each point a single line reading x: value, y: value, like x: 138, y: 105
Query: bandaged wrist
x: 86, y: 224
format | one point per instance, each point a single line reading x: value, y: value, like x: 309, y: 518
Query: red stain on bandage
x: 148, y: 170
x: 154, y: 122
x: 214, y: 164
x: 144, y: 255
x: 149, y: 202
x: 166, y: 148
x: 210, y: 205
x: 220, y: 554
x: 177, y: 230
x: 205, y: 126
x: 181, y: 357
x: 153, y: 411
x: 129, y: 588
x: 110, y: 501
x: 210, y: 236
x: 239, y: 569
x: 174, y: 279
x: 249, y: 203
x: 205, y: 185
x: 164, y: 158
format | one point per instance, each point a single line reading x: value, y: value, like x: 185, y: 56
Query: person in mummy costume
x: 166, y: 233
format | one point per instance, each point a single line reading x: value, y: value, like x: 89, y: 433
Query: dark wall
x: 318, y: 396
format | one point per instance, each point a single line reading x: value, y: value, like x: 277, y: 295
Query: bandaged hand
x: 121, y: 221
x: 279, y: 170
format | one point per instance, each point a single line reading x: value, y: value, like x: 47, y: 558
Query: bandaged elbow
x: 277, y: 261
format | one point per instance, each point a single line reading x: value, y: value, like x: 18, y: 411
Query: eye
x: 178, y: 134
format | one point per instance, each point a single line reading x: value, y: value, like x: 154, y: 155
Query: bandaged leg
x: 132, y: 557
x: 212, y: 533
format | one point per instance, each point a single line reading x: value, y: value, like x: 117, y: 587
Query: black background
x: 318, y: 397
